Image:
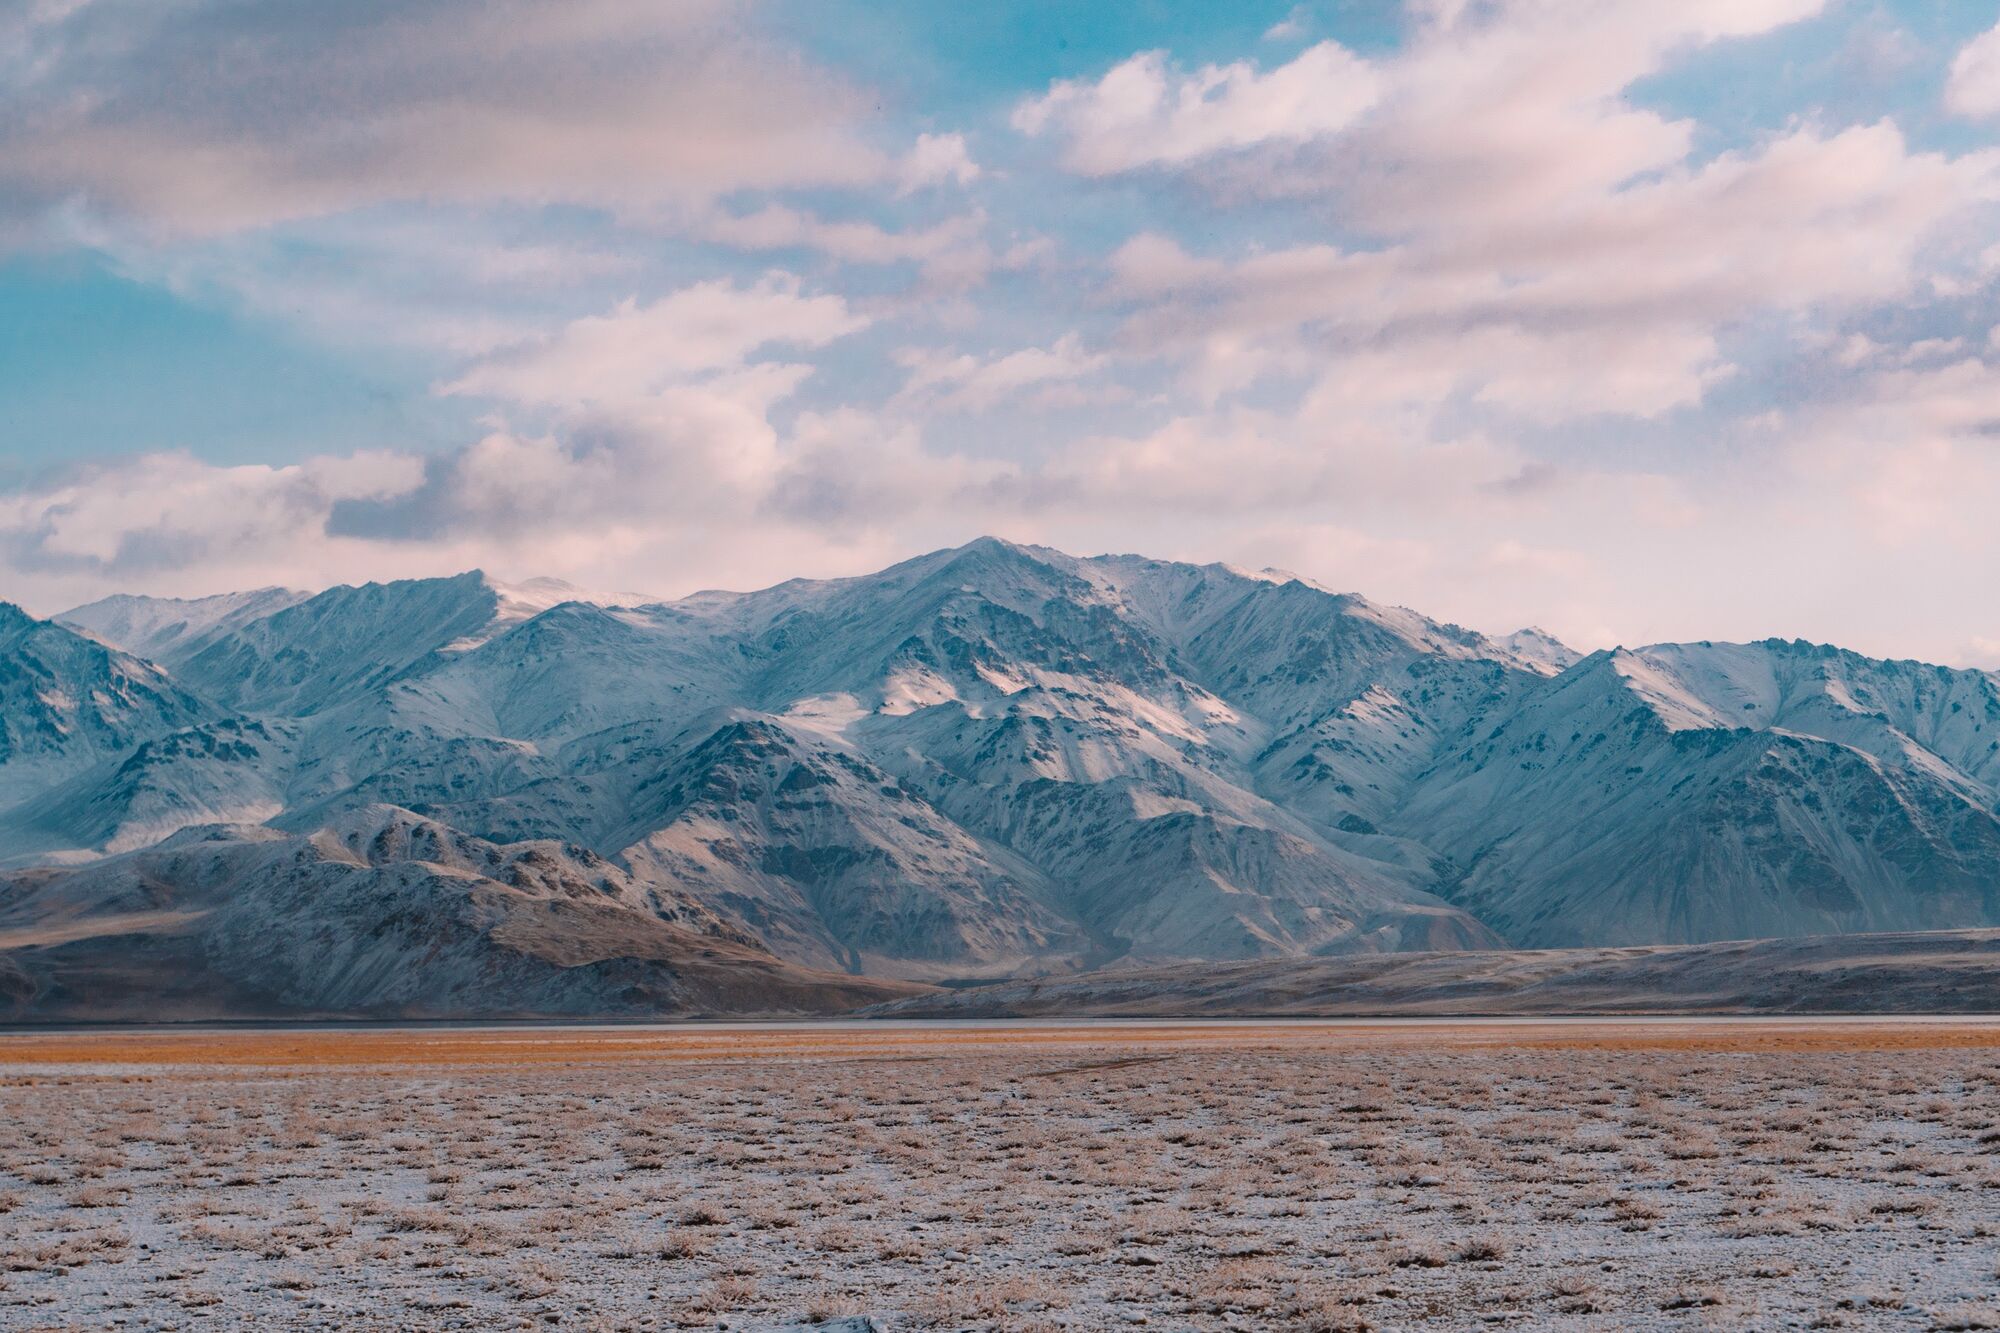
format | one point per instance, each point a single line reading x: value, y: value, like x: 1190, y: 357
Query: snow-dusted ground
x: 1589, y: 1177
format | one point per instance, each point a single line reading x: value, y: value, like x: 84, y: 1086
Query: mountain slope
x: 170, y: 630
x: 229, y: 771
x: 68, y: 702
x: 383, y: 914
x: 343, y: 642
x: 1653, y: 797
x: 838, y: 864
x: 1937, y: 972
x: 1002, y: 759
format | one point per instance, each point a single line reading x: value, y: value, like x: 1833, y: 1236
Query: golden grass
x: 273, y: 1048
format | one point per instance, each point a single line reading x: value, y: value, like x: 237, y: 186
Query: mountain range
x: 991, y: 761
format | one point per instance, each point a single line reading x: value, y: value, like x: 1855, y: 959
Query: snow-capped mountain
x: 1001, y: 759
x: 1697, y: 792
x: 169, y: 630
x: 69, y: 704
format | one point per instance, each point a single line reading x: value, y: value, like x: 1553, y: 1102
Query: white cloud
x: 1535, y: 243
x: 1973, y: 86
x: 1146, y: 113
x: 951, y: 252
x: 1419, y: 264
x: 935, y: 159
x: 696, y: 486
x: 1512, y: 101
x: 1911, y: 454
x: 964, y: 383
x: 453, y: 282
x: 637, y: 351
x: 208, y: 117
x: 1291, y: 27
x: 1981, y: 651
x: 166, y: 513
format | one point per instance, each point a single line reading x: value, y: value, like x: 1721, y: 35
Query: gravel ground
x: 1249, y: 1181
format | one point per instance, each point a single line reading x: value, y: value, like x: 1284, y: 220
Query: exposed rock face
x: 1002, y: 760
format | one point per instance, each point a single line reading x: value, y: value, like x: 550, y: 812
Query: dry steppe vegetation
x: 1259, y: 1177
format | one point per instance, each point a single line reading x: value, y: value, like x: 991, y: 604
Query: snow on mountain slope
x: 345, y: 642
x: 577, y: 669
x: 1154, y: 844
x: 1156, y: 877
x: 1908, y: 714
x: 1541, y: 650
x: 230, y: 771
x: 518, y: 602
x: 340, y: 643
x: 1002, y: 758
x: 382, y: 914
x: 835, y: 863
x: 68, y: 702
x: 1285, y: 650
x: 548, y: 728
x: 1349, y: 699
x: 1353, y: 765
x: 1017, y: 691
x: 989, y: 617
x: 1635, y: 800
x: 169, y: 630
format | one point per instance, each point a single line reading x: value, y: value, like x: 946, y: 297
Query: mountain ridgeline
x: 985, y: 762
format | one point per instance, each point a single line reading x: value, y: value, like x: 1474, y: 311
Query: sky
x: 1635, y: 321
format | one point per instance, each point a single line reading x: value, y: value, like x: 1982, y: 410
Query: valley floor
x: 1600, y: 1175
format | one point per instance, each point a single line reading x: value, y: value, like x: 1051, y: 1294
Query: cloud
x: 952, y: 252
x: 1146, y: 113
x: 1513, y: 101
x: 206, y: 117
x: 695, y: 485
x: 166, y: 512
x: 1973, y: 87
x: 934, y: 160
x: 451, y: 282
x: 1517, y: 110
x: 650, y: 433
x: 1911, y: 452
x: 636, y: 351
x: 964, y: 383
x: 1291, y: 27
x: 1516, y: 220
x: 851, y: 470
x: 1473, y: 322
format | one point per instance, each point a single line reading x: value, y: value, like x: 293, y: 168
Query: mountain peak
x: 1541, y: 650
x: 993, y: 553
x: 171, y: 629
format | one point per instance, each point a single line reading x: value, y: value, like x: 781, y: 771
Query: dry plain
x: 1613, y: 1174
